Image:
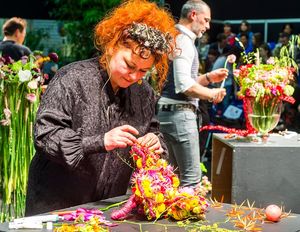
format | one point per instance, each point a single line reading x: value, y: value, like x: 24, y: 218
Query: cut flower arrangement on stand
x: 20, y: 89
x: 263, y: 88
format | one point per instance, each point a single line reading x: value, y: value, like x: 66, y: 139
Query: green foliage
x: 203, y: 168
x: 80, y: 18
x: 34, y: 38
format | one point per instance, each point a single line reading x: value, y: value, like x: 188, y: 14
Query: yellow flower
x: 179, y: 214
x: 175, y: 181
x: 139, y: 163
x: 159, y: 198
x: 193, y: 203
x: 161, y: 208
x: 170, y: 194
x: 162, y: 163
x: 137, y: 192
x: 148, y: 193
x: 197, y: 210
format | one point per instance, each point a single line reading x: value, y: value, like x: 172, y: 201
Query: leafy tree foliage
x: 80, y: 18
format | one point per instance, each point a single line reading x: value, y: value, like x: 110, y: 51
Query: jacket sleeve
x: 54, y: 135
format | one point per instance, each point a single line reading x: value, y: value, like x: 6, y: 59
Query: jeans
x: 180, y: 131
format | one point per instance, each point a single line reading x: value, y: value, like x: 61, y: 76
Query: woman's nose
x: 135, y: 76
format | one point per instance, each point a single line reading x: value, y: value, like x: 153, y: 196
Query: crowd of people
x: 94, y: 110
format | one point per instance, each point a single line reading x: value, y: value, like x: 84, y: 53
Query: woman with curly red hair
x: 93, y: 110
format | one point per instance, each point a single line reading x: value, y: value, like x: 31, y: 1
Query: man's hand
x: 217, y: 95
x: 218, y: 75
x: 120, y: 137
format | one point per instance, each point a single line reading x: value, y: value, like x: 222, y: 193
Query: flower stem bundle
x: 19, y: 98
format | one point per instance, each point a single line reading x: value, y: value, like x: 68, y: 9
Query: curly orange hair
x: 108, y: 32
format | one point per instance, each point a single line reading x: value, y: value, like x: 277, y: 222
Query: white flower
x: 2, y: 74
x: 32, y: 84
x: 38, y: 79
x: 24, y: 75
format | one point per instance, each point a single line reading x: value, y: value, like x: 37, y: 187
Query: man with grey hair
x: 177, y: 108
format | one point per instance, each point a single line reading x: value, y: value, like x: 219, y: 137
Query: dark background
x: 221, y: 10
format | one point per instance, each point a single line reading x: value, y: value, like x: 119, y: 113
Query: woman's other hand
x: 151, y: 141
x: 120, y: 137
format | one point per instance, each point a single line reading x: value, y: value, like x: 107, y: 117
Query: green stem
x: 113, y: 205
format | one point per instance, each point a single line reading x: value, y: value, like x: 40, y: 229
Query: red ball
x: 273, y: 213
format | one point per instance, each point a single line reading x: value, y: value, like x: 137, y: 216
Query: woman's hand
x: 120, y: 137
x: 218, y: 75
x: 151, y: 141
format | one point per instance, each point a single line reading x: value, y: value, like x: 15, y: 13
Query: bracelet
x: 207, y: 78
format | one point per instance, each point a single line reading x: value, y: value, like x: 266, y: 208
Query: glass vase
x: 263, y: 114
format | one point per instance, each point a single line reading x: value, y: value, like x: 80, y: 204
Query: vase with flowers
x: 263, y: 88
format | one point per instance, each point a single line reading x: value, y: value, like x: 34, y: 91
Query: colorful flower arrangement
x: 156, y: 192
x: 263, y: 88
x: 20, y: 89
x: 270, y: 80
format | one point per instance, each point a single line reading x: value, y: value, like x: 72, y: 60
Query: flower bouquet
x: 20, y: 88
x: 263, y: 87
x: 156, y: 192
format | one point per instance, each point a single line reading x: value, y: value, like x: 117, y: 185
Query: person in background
x: 257, y: 40
x: 245, y: 28
x: 50, y: 67
x: 14, y: 31
x: 283, y: 40
x: 264, y: 52
x: 211, y: 59
x: 94, y: 110
x: 288, y: 28
x: 230, y: 36
x: 244, y: 39
x: 177, y: 107
x: 203, y: 47
x: 221, y: 44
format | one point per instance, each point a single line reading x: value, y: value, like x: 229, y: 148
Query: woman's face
x: 126, y: 67
x: 244, y: 27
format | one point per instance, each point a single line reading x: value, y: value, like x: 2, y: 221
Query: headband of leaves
x: 150, y: 38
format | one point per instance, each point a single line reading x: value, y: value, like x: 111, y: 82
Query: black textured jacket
x: 71, y: 165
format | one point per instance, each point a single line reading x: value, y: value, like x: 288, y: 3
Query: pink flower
x: 31, y: 97
x: 271, y: 60
x: 236, y: 72
x: 231, y: 58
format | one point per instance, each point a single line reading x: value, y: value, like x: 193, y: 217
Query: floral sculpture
x: 156, y: 192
